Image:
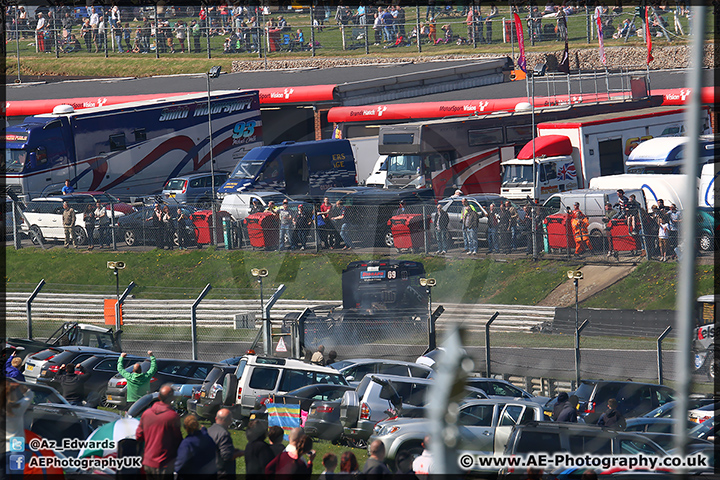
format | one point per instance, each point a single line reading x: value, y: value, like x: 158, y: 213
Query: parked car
x: 80, y: 200
x: 702, y: 413
x: 453, y: 206
x: 355, y: 369
x: 666, y: 410
x: 207, y: 400
x: 51, y: 416
x: 258, y: 375
x: 706, y: 430
x: 41, y: 367
x: 498, y: 388
x: 195, y: 189
x: 708, y: 228
x: 137, y: 228
x: 304, y: 396
x: 169, y: 370
x: 238, y: 204
x: 660, y: 431
x: 634, y: 398
x: 483, y: 428
x: 575, y: 439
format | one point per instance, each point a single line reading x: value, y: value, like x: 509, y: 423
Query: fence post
x: 417, y: 26
x: 193, y: 320
x: 207, y: 29
x: 112, y: 223
x: 16, y: 237
x: 487, y: 343
x: 298, y: 334
x: 157, y: 36
x: 659, y: 353
x: 425, y: 229
x: 577, y: 351
x: 119, y: 303
x: 315, y: 229
x: 267, y: 325
x: 28, y: 307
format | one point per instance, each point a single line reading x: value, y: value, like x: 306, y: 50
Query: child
x: 330, y: 462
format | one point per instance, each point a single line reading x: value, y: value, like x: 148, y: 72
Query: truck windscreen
x: 14, y: 160
x: 515, y: 174
x: 247, y: 168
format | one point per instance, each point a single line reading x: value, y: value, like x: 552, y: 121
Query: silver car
x: 484, y: 427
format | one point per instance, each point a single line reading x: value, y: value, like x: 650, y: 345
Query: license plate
x: 312, y: 410
x: 202, y: 394
x: 29, y: 367
x: 109, y: 397
x: 252, y: 416
x: 171, y: 195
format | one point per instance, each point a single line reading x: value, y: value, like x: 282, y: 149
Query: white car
x: 238, y: 204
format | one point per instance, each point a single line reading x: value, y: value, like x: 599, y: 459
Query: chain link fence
x: 258, y: 32
x: 500, y: 229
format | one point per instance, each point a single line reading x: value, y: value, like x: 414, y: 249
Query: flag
x: 598, y: 19
x: 283, y: 415
x: 648, y: 37
x: 522, y: 63
x: 567, y: 172
x: 564, y: 65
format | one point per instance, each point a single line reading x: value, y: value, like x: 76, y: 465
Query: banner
x: 598, y: 19
x: 522, y: 63
x: 564, y: 65
x: 648, y: 37
x: 283, y: 415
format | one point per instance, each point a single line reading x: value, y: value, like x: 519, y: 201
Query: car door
x: 261, y: 381
x: 476, y: 428
x: 510, y: 416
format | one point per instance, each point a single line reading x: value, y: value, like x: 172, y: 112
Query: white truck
x: 569, y: 153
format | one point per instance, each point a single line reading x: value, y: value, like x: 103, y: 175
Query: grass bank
x: 175, y: 274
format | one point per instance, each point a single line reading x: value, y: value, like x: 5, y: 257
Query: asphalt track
x: 288, y: 78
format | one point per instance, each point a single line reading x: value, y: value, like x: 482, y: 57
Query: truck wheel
x: 80, y: 235
x: 130, y: 238
x: 35, y: 235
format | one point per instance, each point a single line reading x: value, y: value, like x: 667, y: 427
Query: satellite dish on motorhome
x: 63, y: 110
x: 523, y: 107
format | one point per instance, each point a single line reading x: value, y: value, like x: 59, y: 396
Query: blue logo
x: 17, y: 462
x: 17, y: 444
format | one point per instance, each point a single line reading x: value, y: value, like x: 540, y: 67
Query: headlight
x: 221, y: 195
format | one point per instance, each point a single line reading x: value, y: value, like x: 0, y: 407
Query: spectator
x: 40, y: 32
x: 504, y: 227
x: 612, y: 418
x: 341, y: 224
x: 275, y: 435
x: 608, y: 215
x: 375, y: 465
x: 286, y: 224
x: 184, y: 224
x: 470, y: 222
x: 489, y: 24
x: 103, y: 222
x: 569, y: 411
x: 422, y: 465
x: 89, y: 219
x: 318, y: 357
x: 633, y: 213
x: 258, y: 454
x: 138, y: 383
x: 69, y: 225
x: 303, y: 223
x: 126, y: 37
x: 663, y: 221
x: 159, y: 430
x: 12, y: 367
x: 401, y: 208
x: 196, y: 33
x: 168, y: 227
x: 225, y: 451
x: 580, y: 224
x: 196, y: 453
x: 67, y: 189
x: 514, y: 217
x: 442, y: 220
x: 562, y: 400
x: 331, y: 358
x: 493, y: 225
x: 292, y: 463
x: 675, y: 219
x: 329, y: 462
x: 72, y: 385
x: 349, y: 464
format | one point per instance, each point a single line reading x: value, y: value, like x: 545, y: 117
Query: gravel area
x: 674, y: 56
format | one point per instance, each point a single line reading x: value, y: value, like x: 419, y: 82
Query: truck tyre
x: 230, y: 385
x: 35, y: 235
x: 80, y: 235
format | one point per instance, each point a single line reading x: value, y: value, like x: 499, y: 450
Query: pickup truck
x: 69, y: 333
x: 484, y: 427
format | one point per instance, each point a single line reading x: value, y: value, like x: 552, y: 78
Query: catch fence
x: 257, y: 32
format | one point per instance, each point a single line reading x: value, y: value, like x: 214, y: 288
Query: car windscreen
x: 215, y: 374
x: 46, y: 354
x: 175, y: 184
x: 584, y: 391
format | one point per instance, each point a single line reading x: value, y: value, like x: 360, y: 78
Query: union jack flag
x: 567, y: 172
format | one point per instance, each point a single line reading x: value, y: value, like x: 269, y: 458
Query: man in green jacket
x: 138, y: 383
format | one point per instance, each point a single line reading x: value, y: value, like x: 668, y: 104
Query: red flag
x: 648, y: 37
x: 522, y: 63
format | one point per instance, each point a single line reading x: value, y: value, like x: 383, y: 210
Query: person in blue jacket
x: 12, y: 367
x: 196, y: 453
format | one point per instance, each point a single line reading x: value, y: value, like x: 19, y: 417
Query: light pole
x: 115, y: 266
x: 428, y: 283
x: 576, y: 275
x: 214, y: 72
x: 259, y: 273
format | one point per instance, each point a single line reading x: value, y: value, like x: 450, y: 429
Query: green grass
x: 120, y: 65
x: 175, y: 274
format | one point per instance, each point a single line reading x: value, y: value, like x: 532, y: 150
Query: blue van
x: 303, y: 168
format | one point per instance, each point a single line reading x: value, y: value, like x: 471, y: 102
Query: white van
x: 670, y: 188
x: 257, y: 376
x: 238, y: 204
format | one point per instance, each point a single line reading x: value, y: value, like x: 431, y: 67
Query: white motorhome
x: 667, y: 154
x: 569, y: 153
x: 669, y: 188
x: 708, y: 185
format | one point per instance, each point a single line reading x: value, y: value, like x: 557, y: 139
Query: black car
x: 99, y: 369
x: 137, y: 228
x: 169, y: 370
x: 634, y: 398
x: 42, y: 367
x: 208, y: 399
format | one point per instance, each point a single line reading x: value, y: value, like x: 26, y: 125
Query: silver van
x: 592, y: 204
